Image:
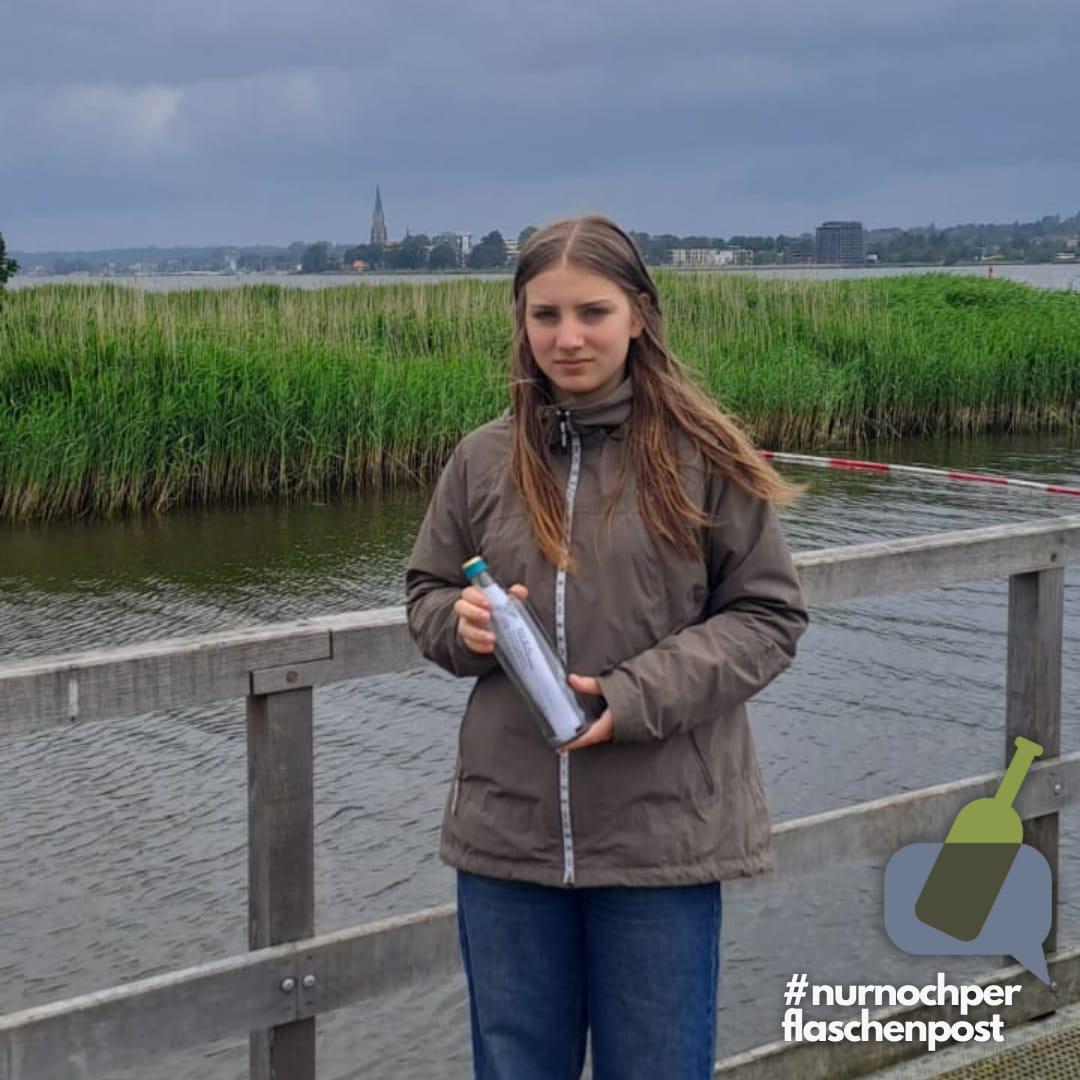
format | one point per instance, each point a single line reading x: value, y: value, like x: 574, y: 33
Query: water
x: 208, y: 280
x: 123, y: 843
x: 1043, y: 275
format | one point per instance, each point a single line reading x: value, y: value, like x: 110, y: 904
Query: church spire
x: 378, y: 222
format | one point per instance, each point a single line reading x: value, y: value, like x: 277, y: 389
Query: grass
x: 114, y: 400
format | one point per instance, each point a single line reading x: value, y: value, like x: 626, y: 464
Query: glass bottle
x: 532, y: 665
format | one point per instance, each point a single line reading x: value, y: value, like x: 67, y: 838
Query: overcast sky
x: 141, y: 122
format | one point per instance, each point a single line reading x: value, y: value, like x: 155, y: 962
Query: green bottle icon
x: 976, y: 856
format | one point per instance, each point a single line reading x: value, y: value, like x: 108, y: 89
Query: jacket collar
x: 609, y: 413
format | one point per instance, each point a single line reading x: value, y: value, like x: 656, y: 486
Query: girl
x: 639, y: 522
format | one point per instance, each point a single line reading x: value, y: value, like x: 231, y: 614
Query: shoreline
x: 838, y: 270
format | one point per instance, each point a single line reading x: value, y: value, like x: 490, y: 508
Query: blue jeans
x: 635, y: 966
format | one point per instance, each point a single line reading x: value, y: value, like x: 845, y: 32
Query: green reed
x: 114, y: 400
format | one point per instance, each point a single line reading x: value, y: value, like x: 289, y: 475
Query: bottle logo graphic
x: 977, y: 856
x: 983, y: 891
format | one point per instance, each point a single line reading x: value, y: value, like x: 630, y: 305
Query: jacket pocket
x: 709, y: 782
x: 466, y: 720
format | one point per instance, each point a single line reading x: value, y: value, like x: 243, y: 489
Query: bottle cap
x: 474, y: 566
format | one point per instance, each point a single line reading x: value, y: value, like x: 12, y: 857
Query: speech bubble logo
x: 1017, y: 924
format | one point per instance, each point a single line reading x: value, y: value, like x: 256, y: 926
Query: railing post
x: 1033, y: 692
x: 281, y: 860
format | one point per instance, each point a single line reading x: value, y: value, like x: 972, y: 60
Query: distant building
x: 378, y: 222
x: 840, y: 243
x: 705, y: 257
x: 461, y: 242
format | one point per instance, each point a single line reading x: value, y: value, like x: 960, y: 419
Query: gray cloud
x: 251, y: 121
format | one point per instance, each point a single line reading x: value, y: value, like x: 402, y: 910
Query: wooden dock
x: 277, y: 989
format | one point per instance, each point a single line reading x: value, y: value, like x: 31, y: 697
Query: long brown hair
x: 665, y: 397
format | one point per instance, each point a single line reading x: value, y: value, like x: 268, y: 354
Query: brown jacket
x: 678, y: 643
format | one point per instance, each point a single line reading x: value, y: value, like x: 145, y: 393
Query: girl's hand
x: 473, y: 610
x: 602, y: 729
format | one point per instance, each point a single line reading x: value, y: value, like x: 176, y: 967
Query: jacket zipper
x: 566, y: 824
x: 564, y: 426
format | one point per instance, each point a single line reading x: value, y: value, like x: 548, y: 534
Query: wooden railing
x: 276, y: 990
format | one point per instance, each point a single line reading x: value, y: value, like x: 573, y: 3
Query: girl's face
x: 579, y: 325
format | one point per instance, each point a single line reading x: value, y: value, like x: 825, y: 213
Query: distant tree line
x: 419, y: 252
x: 1037, y: 241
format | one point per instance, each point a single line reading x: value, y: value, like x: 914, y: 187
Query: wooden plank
x: 883, y: 826
x: 165, y: 1014
x: 380, y: 958
x: 117, y: 1028
x: 845, y: 573
x: 829, y: 1061
x: 362, y: 643
x: 133, y: 679
x: 1033, y: 692
x: 371, y: 643
x: 281, y: 859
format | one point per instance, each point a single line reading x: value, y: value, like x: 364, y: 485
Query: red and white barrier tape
x: 917, y: 470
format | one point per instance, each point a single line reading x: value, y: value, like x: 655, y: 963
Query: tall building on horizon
x: 378, y: 222
x: 841, y: 243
